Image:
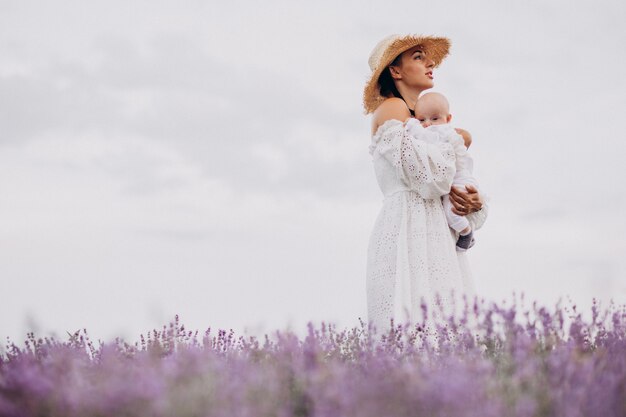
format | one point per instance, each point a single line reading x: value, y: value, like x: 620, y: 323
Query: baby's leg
x: 455, y: 221
x: 460, y: 224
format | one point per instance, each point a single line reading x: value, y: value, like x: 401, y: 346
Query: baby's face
x: 431, y: 111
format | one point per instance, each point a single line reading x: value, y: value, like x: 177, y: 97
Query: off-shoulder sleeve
x: 427, y: 168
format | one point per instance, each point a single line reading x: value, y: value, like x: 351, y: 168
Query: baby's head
x: 432, y: 109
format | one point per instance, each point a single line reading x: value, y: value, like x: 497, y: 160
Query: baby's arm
x: 467, y: 138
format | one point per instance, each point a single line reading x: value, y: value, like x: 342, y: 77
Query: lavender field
x: 512, y: 360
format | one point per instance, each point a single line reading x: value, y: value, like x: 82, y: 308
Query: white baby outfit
x: 464, y: 163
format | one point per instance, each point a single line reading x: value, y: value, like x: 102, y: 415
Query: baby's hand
x: 467, y: 138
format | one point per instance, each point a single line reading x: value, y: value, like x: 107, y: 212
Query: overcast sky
x: 211, y: 158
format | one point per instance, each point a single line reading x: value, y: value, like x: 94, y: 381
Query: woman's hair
x: 385, y: 81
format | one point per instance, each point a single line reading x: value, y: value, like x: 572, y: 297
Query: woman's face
x: 415, y: 69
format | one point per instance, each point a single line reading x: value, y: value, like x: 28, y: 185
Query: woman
x: 411, y: 254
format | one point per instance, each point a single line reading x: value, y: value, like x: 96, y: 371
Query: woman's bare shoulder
x: 391, y: 108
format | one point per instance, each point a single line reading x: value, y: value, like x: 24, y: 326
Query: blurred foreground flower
x: 510, y: 361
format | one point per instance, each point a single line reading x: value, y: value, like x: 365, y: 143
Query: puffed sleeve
x: 427, y: 168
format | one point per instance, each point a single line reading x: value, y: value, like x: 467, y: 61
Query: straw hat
x: 387, y: 50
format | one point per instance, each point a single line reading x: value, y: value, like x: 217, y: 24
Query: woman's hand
x: 465, y: 202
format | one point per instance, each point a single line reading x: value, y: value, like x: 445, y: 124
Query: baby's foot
x: 465, y: 242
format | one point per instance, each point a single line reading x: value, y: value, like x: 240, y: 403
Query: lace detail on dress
x: 427, y: 168
x: 379, y: 132
x: 411, y: 255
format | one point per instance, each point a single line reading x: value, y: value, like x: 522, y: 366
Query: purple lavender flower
x: 492, y: 360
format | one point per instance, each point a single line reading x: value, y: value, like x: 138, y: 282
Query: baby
x: 433, y: 112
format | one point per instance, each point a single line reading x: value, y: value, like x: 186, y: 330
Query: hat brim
x: 437, y: 49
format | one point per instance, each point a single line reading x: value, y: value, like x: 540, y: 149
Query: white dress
x: 411, y: 254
